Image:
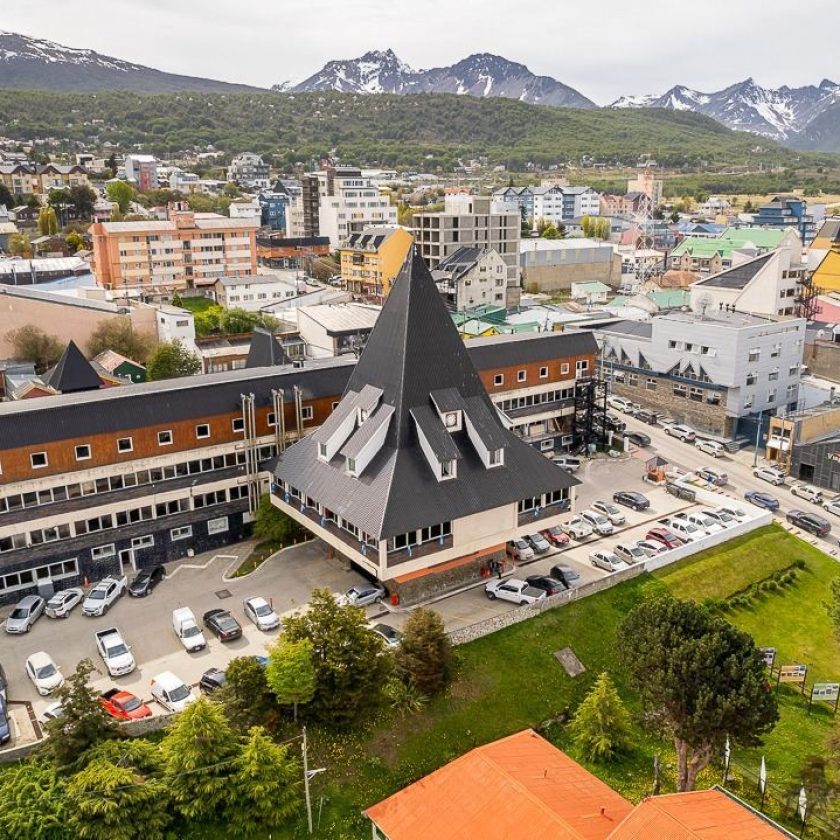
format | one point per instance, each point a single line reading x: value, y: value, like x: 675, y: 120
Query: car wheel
x: 28, y: 628
x: 491, y: 595
x: 522, y: 603
x: 377, y: 600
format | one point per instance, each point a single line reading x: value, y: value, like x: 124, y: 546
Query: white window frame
x: 185, y: 532
x: 39, y: 466
x: 160, y: 438
x: 146, y: 541
x: 544, y: 372
x: 202, y: 427
x: 307, y: 412
x: 83, y: 446
x: 237, y: 424
x: 218, y: 526
x: 522, y: 376
x: 499, y: 379
x: 103, y: 552
x: 130, y: 447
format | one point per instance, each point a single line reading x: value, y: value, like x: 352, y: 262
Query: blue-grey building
x: 785, y: 211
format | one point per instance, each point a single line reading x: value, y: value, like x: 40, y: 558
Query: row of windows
x: 522, y: 375
x: 326, y: 514
x: 537, y: 399
x: 420, y: 536
x: 29, y: 577
x: 551, y: 498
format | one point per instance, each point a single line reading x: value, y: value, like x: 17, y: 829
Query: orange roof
x: 699, y: 815
x: 517, y: 788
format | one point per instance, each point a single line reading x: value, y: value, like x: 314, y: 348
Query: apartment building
x: 371, y: 260
x: 255, y: 292
x: 249, y: 170
x: 142, y: 172
x: 187, y: 250
x: 787, y: 211
x: 469, y: 221
x: 40, y: 179
x: 556, y: 203
x: 251, y: 210
x: 711, y: 255
x: 471, y: 277
x: 648, y: 184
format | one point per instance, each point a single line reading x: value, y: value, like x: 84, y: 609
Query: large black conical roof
x: 265, y: 350
x: 73, y: 372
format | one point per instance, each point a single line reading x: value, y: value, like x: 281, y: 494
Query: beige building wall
x: 559, y: 278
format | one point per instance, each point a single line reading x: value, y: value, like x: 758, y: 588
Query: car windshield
x: 264, y: 609
x: 612, y: 510
x: 596, y: 517
x: 179, y: 693
x: 569, y: 574
x: 520, y: 544
x: 226, y: 622
x: 19, y: 612
x: 131, y: 704
x: 190, y: 630
x: 634, y: 549
x: 117, y: 650
x: 96, y: 594
x: 45, y: 671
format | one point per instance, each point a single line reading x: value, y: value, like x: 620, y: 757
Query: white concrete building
x: 258, y: 291
x: 472, y: 277
x: 251, y: 210
x: 249, y: 170
x: 333, y: 329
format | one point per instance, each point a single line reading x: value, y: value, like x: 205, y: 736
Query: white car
x: 832, y: 505
x: 722, y: 517
x: 514, y: 590
x: 171, y: 692
x: 680, y: 432
x: 705, y: 522
x: 608, y: 509
x: 685, y: 530
x: 44, y: 673
x: 652, y: 547
x: 805, y: 491
x: 733, y: 510
x: 710, y: 447
x: 261, y: 613
x: 101, y: 598
x: 61, y: 604
x: 605, y: 560
x: 600, y: 524
x: 576, y: 528
x: 52, y: 712
x: 770, y: 474
x: 187, y: 630
x: 620, y: 404
x: 630, y: 553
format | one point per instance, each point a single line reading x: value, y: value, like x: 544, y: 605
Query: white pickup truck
x: 187, y: 630
x: 115, y: 653
x: 100, y: 599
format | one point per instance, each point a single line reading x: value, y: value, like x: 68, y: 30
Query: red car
x: 123, y: 705
x: 664, y: 536
x: 555, y: 536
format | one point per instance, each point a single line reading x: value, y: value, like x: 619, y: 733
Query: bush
x: 424, y: 656
x: 800, y: 563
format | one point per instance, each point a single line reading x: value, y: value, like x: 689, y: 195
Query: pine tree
x: 246, y: 697
x: 424, y: 656
x: 601, y: 726
x: 32, y: 802
x: 291, y: 672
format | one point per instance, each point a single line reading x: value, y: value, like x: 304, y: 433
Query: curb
x: 228, y: 578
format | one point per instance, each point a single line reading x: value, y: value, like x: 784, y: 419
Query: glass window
x: 38, y: 460
x: 165, y: 438
x: 125, y: 444
x: 202, y: 430
x: 83, y: 452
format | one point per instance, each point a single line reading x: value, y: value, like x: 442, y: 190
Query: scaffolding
x: 590, y: 423
x: 807, y: 298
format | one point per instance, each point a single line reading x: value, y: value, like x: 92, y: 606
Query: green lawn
x: 196, y: 304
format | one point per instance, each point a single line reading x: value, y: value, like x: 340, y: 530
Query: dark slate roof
x: 641, y: 329
x: 461, y: 261
x: 367, y: 431
x: 737, y: 277
x: 528, y: 348
x: 447, y: 399
x: 413, y: 351
x: 435, y: 433
x: 73, y: 373
x: 266, y: 350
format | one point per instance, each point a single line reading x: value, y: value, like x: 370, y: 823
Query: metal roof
x: 526, y: 348
x: 737, y: 277
x: 440, y: 440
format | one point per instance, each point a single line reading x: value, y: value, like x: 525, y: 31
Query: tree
x: 47, y: 222
x: 6, y: 197
x: 748, y: 206
x: 265, y: 788
x: 121, y: 193
x: 32, y: 344
x: 246, y: 697
x: 83, y: 198
x: 169, y: 360
x: 601, y: 726
x: 74, y: 241
x: 699, y: 677
x: 119, y: 335
x: 290, y: 672
x: 198, y: 753
x: 424, y: 657
x: 18, y: 245
x: 834, y: 604
x: 350, y: 667
x: 115, y: 797
x: 271, y: 524
x: 112, y: 165
x: 32, y: 802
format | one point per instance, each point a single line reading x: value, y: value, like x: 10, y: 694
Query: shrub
x: 800, y: 563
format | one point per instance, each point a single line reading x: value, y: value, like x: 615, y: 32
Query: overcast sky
x: 604, y: 48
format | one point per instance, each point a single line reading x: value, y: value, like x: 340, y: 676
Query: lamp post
x: 758, y: 436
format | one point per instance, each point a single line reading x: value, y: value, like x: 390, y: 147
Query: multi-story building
x: 552, y: 265
x: 185, y: 251
x: 274, y: 210
x: 472, y: 277
x: 183, y: 182
x: 56, y: 176
x: 18, y: 178
x: 251, y: 210
x: 824, y: 256
x: 413, y: 478
x: 514, y: 200
x: 556, y: 203
x: 468, y: 221
x: 255, y: 292
x: 371, y: 260
x: 806, y: 444
x: 711, y: 255
x: 118, y: 479
x: 277, y: 250
x: 787, y: 211
x: 142, y: 171
x: 249, y: 170
x: 718, y: 372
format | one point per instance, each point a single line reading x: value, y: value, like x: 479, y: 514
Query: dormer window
x: 495, y: 457
x: 322, y: 451
x: 351, y: 466
x: 447, y: 469
x: 452, y: 420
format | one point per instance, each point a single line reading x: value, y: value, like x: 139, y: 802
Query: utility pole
x: 758, y: 437
x: 306, y: 783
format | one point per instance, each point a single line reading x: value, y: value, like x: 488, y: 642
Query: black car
x: 565, y: 575
x: 222, y: 625
x: 631, y: 499
x: 649, y: 417
x: 145, y: 581
x: 639, y: 438
x: 810, y: 522
x: 5, y: 723
x: 550, y: 585
x: 212, y: 680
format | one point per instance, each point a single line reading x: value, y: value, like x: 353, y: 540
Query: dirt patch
x: 572, y: 665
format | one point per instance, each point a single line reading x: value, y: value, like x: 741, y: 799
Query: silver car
x: 605, y: 560
x: 26, y: 612
x: 363, y: 595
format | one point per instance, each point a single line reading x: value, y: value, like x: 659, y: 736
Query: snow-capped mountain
x: 482, y: 75
x: 35, y: 63
x: 781, y: 113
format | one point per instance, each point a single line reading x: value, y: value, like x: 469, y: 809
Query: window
x: 271, y: 419
x: 165, y: 438
x: 564, y: 368
x: 748, y: 401
x: 754, y: 355
x: 306, y: 412
x: 521, y: 375
x: 202, y: 430
x: 751, y: 378
x: 771, y: 396
x: 696, y: 394
x: 125, y: 444
x: 494, y: 457
x: 238, y: 424
x: 143, y: 542
x: 217, y: 526
x: 447, y: 469
x: 322, y: 450
x: 650, y: 384
x: 776, y: 351
x: 793, y: 370
x: 581, y: 366
x: 183, y: 533
x: 83, y: 452
x: 103, y: 551
x: 632, y: 379
x: 543, y: 373
x: 452, y: 420
x: 773, y: 375
x: 38, y: 460
x: 680, y: 391
x: 499, y: 379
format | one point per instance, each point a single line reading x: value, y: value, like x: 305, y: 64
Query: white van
x: 685, y: 530
x: 187, y: 630
x: 171, y: 692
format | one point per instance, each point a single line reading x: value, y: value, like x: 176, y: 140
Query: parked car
x: 733, y: 510
x: 513, y: 590
x: 770, y: 474
x: 565, y: 574
x: 363, y: 594
x: 555, y: 536
x: 685, y: 530
x: 259, y: 611
x: 44, y: 673
x: 55, y: 711
x: 212, y: 680
x: 705, y: 522
x: 187, y: 630
x: 567, y: 462
x: 5, y: 723
x: 668, y: 538
x: 4, y: 685
x: 171, y: 692
x: 577, y: 528
x: 222, y: 624
x: 630, y: 553
x: 638, y: 438
x: 605, y: 560
x: 652, y: 547
x: 614, y: 423
x: 539, y: 543
x: 146, y: 580
x: 713, y: 475
x: 722, y: 517
x: 520, y: 550
x: 390, y: 635
x: 762, y: 500
x: 710, y: 447
x: 813, y: 523
x: 61, y: 604
x: 600, y: 524
x: 104, y: 595
x: 609, y: 510
x: 620, y: 404
x: 25, y: 613
x: 123, y: 705
x: 805, y: 491
x: 646, y: 416
x: 550, y: 585
x: 680, y: 432
x: 631, y: 499
x: 832, y: 505
x: 115, y: 653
